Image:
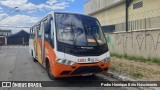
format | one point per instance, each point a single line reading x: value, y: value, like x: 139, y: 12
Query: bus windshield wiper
x: 95, y: 39
x: 92, y: 36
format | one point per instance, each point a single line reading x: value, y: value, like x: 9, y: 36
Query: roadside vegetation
x: 137, y: 58
x: 136, y: 69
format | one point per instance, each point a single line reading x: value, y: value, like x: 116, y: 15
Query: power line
x: 16, y: 26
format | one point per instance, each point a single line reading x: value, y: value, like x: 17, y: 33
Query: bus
x: 69, y: 44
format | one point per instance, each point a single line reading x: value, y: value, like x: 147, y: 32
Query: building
x: 3, y: 34
x: 19, y: 38
x: 2, y: 40
x: 113, y: 14
x: 134, y: 25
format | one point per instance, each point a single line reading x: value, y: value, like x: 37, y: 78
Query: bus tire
x: 34, y: 59
x: 49, y: 71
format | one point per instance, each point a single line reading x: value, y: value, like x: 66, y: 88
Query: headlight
x: 64, y: 61
x: 105, y: 60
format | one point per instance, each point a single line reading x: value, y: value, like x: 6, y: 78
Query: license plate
x: 86, y: 74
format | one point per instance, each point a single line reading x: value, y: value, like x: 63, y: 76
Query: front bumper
x: 61, y: 70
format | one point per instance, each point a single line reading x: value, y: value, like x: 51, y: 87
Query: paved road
x: 16, y: 65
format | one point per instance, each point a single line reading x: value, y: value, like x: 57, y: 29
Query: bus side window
x: 32, y: 34
x: 48, y: 32
x: 39, y: 31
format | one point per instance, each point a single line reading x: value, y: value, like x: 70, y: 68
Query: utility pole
x: 126, y: 15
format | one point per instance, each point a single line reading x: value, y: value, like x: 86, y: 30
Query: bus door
x: 48, y: 37
x: 40, y: 44
x: 35, y: 41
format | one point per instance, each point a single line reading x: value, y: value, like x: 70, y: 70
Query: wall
x: 137, y: 43
x: 148, y: 10
x: 93, y: 6
x: 143, y: 38
x: 115, y: 15
x: 112, y: 15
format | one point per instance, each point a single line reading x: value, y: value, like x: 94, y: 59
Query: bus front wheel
x: 49, y: 72
x: 34, y: 59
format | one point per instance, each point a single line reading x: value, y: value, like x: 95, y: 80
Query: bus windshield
x: 78, y: 30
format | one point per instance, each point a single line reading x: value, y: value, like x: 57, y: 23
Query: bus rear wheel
x: 49, y: 72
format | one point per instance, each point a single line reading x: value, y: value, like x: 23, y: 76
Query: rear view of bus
x: 78, y: 46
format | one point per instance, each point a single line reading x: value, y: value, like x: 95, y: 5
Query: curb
x: 124, y: 78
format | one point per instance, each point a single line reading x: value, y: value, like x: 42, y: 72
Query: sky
x: 25, y: 13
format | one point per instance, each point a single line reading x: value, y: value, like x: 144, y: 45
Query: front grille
x: 87, y: 69
x: 65, y: 72
x: 105, y: 69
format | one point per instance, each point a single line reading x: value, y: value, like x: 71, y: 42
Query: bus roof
x: 53, y: 12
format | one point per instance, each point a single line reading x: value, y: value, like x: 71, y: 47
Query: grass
x: 112, y: 68
x: 137, y: 58
x: 136, y: 75
x: 133, y: 70
x: 156, y: 60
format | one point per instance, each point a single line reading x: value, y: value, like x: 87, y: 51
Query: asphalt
x: 16, y: 64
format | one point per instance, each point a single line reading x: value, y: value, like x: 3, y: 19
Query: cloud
x: 62, y: 5
x: 12, y: 3
x: 1, y: 15
x: 51, y: 2
x: 21, y: 4
x: 1, y: 10
x: 18, y: 21
x: 71, y: 0
x: 26, y: 5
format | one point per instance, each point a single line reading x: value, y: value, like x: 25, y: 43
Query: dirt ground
x: 136, y: 70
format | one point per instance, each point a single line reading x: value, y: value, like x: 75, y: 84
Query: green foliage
x: 156, y: 60
x: 137, y: 58
x: 108, y: 39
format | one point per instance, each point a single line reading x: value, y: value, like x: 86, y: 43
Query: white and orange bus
x: 69, y: 44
